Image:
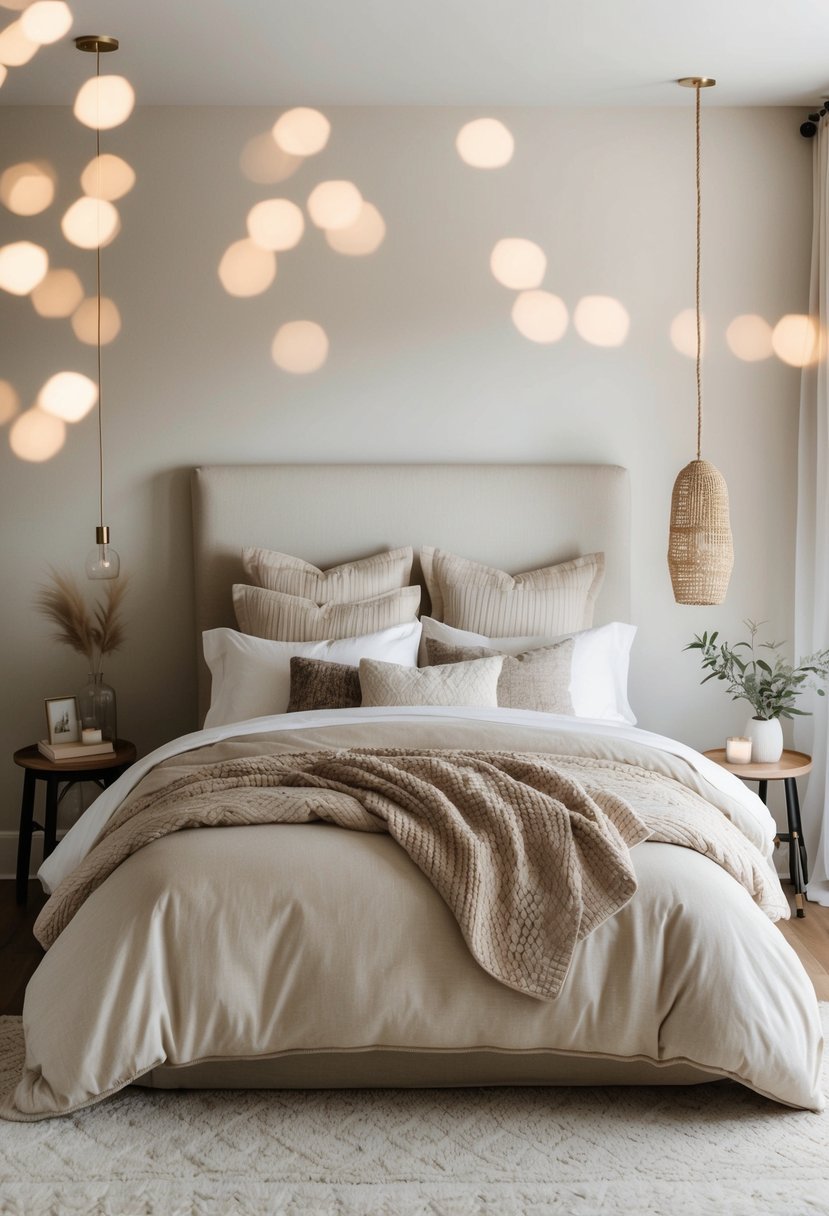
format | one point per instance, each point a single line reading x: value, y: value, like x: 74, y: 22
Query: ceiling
x: 443, y: 52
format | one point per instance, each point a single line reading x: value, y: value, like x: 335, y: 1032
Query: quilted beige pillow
x: 288, y: 618
x: 474, y: 683
x: 550, y: 601
x: 537, y: 679
x: 359, y: 580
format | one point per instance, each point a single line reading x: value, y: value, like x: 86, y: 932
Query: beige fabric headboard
x: 516, y: 517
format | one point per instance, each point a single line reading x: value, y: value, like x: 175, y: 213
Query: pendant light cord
x: 98, y: 294
x: 697, y: 293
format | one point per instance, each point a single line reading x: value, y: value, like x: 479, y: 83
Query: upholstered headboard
x: 516, y: 517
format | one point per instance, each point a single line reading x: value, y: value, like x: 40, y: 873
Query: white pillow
x: 599, y: 672
x: 474, y: 683
x: 252, y: 676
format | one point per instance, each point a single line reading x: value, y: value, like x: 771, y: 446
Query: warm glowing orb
x: 107, y: 177
x: 795, y: 340
x: 37, y: 435
x: 91, y: 222
x: 246, y: 269
x: 335, y: 204
x: 485, y: 144
x: 22, y: 266
x: 9, y: 402
x: 749, y: 338
x: 46, y: 21
x: 68, y: 395
x: 301, y: 132
x: 300, y: 347
x: 263, y: 161
x: 540, y: 316
x: 3, y: 73
x: 601, y: 320
x: 15, y: 48
x: 518, y: 264
x: 684, y: 333
x: 276, y: 224
x: 104, y: 102
x: 58, y: 294
x: 362, y: 237
x: 28, y: 188
x: 85, y: 321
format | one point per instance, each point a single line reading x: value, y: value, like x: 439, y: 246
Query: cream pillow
x: 288, y: 618
x: 550, y: 601
x: 471, y: 684
x: 358, y: 580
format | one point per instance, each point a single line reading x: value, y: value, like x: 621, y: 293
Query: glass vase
x: 96, y: 703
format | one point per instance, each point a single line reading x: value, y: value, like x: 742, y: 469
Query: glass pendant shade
x: 102, y: 561
x: 700, y: 548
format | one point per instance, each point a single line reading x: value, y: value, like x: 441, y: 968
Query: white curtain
x: 812, y: 575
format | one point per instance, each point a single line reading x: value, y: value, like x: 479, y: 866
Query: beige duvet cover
x: 224, y: 949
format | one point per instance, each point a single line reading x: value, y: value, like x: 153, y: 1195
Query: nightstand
x: 103, y: 770
x: 787, y: 769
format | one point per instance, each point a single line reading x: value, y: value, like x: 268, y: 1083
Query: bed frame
x: 516, y: 517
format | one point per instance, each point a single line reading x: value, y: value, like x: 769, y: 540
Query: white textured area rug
x: 710, y: 1150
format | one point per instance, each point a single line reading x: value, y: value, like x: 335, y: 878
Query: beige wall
x: 424, y: 365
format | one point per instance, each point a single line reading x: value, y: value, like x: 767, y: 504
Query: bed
x: 308, y: 954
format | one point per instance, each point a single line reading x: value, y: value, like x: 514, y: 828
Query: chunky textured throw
x: 525, y: 858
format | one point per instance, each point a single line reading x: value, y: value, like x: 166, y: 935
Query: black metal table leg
x: 795, y: 825
x: 763, y: 791
x: 50, y: 823
x: 24, y: 842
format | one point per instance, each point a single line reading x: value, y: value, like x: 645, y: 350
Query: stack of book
x: 74, y: 751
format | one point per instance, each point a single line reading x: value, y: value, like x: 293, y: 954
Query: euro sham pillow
x: 550, y: 601
x: 316, y: 684
x: 289, y: 618
x: 358, y: 580
x: 469, y: 684
x: 535, y: 679
x: 252, y: 676
x: 599, y: 670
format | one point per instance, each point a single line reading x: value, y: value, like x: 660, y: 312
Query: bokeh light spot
x: 22, y: 266
x: 301, y: 132
x: 46, y: 21
x: 104, y: 102
x: 91, y: 222
x: 485, y: 144
x: 36, y: 435
x: 749, y: 337
x: 246, y: 269
x: 795, y: 340
x: 108, y: 177
x: 85, y: 321
x: 58, y: 294
x: 276, y: 224
x: 9, y: 402
x: 362, y: 237
x: 518, y: 264
x: 28, y: 188
x: 68, y: 395
x: 15, y: 48
x: 601, y: 320
x: 540, y: 316
x: 335, y: 204
x: 300, y: 347
x: 3, y: 73
x: 263, y: 161
x: 683, y: 333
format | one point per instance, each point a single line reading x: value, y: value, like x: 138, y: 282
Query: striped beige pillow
x: 289, y: 618
x: 550, y: 601
x: 358, y: 580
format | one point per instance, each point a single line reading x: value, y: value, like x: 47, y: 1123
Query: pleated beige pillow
x: 470, y: 684
x: 549, y: 601
x: 289, y: 618
x: 358, y: 580
x: 536, y: 679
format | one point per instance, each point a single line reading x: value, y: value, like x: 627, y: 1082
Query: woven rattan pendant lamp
x: 700, y: 550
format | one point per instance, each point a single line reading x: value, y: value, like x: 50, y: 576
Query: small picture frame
x: 63, y: 720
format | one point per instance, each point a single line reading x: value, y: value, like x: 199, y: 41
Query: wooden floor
x: 20, y: 953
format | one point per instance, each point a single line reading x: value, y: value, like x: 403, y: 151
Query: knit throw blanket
x: 529, y: 857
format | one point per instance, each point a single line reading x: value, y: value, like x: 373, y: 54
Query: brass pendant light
x: 700, y: 549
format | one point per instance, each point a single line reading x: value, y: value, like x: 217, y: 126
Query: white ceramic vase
x: 766, y: 735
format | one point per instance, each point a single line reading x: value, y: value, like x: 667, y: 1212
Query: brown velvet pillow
x: 537, y: 679
x: 316, y: 684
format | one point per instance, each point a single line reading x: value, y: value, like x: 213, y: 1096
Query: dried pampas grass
x: 94, y: 632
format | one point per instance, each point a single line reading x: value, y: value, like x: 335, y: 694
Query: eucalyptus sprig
x: 771, y: 686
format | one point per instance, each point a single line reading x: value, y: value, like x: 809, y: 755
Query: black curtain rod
x: 808, y: 129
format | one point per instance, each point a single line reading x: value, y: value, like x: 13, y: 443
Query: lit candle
x: 737, y: 750
x: 90, y: 735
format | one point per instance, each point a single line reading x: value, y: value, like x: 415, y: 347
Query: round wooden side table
x: 787, y: 769
x: 103, y: 770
